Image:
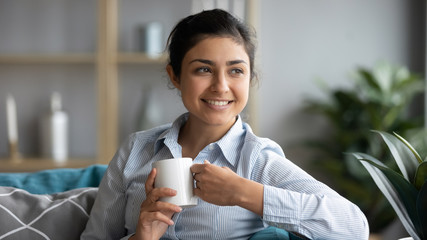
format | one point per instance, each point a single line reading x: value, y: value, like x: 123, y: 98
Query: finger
x: 149, y: 184
x: 207, y: 162
x: 160, y: 206
x: 148, y: 218
x: 165, y: 206
x: 158, y: 193
x: 196, y: 177
x: 198, y: 192
x: 197, y: 168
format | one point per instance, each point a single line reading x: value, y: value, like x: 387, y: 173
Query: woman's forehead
x: 217, y: 48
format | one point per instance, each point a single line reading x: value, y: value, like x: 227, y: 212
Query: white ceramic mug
x: 175, y: 173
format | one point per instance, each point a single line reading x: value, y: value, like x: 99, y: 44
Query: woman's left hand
x: 221, y: 186
x: 216, y: 185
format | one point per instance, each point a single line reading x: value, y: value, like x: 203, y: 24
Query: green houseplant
x: 406, y: 190
x: 379, y: 98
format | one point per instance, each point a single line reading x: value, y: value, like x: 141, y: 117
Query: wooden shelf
x: 138, y: 58
x: 37, y: 164
x: 47, y: 59
x: 106, y: 58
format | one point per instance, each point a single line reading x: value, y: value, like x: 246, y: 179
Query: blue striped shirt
x: 293, y: 200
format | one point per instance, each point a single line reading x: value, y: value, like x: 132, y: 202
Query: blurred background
x: 95, y: 54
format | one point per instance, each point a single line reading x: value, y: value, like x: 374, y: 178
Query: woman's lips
x: 218, y: 102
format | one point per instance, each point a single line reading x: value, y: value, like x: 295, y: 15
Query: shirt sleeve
x: 107, y: 218
x: 296, y: 202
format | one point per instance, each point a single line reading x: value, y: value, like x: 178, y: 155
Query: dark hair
x: 195, y: 28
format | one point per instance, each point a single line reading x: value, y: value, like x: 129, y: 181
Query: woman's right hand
x: 155, y: 216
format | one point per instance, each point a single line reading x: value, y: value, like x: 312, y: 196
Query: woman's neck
x: 194, y: 136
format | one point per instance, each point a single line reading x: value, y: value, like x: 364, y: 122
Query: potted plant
x: 405, y: 190
x: 378, y: 98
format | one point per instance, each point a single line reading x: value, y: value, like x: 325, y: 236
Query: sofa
x: 56, y: 204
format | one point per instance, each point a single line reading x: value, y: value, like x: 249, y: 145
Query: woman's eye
x: 203, y: 70
x: 237, y: 71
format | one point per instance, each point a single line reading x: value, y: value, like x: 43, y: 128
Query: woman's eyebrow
x: 209, y: 62
x: 233, y: 62
x: 205, y: 61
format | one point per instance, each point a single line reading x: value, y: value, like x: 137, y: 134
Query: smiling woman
x: 214, y: 85
x: 244, y: 182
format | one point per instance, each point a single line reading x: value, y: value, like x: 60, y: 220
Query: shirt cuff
x: 282, y: 208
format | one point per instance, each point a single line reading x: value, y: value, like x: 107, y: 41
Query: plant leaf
x: 369, y: 78
x: 406, y: 192
x: 422, y: 209
x: 405, y: 159
x: 421, y: 176
x: 410, y: 147
x: 387, y: 188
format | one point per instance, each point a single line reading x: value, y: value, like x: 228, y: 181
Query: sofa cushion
x: 64, y: 215
x: 55, y: 180
x: 271, y: 233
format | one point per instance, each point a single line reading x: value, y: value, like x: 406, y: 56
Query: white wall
x: 302, y: 40
x: 299, y: 41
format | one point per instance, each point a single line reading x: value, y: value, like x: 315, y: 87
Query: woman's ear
x: 174, y: 79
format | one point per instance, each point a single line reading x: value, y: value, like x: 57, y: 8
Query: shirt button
x: 211, y: 146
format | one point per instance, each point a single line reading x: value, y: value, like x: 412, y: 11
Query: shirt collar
x: 170, y: 136
x: 230, y: 144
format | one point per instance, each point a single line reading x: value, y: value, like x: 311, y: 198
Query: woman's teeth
x: 217, y: 103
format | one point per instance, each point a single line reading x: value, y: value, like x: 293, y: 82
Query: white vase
x: 54, y: 131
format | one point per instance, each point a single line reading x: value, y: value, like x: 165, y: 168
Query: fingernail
x: 171, y: 222
x: 179, y: 209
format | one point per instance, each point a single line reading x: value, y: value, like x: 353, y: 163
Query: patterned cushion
x: 49, y: 216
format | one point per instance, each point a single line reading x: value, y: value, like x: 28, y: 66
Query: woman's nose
x: 220, y: 83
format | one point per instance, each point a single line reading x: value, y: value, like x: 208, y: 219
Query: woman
x: 244, y: 182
